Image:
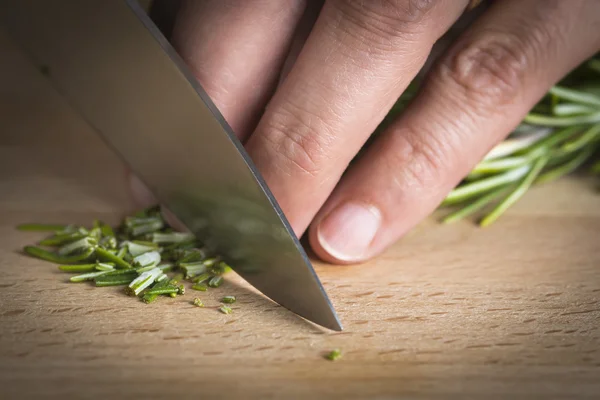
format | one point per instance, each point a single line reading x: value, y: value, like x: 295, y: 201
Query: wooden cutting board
x: 511, y: 311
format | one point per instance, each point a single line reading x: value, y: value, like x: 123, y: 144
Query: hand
x: 304, y: 91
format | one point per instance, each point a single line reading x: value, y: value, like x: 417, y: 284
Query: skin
x: 305, y: 83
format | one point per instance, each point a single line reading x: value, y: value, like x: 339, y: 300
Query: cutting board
x: 510, y: 311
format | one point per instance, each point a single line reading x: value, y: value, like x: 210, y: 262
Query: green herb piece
x: 176, y: 279
x: 163, y: 290
x: 202, y: 277
x: 228, y: 299
x: 149, y: 259
x: 595, y: 168
x: 87, y: 277
x: 516, y: 194
x: 77, y: 246
x: 115, y: 280
x: 105, y: 267
x: 198, y: 303
x: 139, y: 226
x: 108, y: 242
x: 78, y: 268
x: 106, y: 256
x: 190, y: 256
x: 62, y: 239
x: 41, y: 227
x: 143, y: 281
x: 172, y: 237
x: 193, y: 269
x: 334, y: 355
x: 220, y: 268
x: 164, y: 267
x: 200, y: 287
x: 149, y: 298
x: 225, y: 310
x: 137, y: 249
x: 56, y: 258
x: 215, y: 281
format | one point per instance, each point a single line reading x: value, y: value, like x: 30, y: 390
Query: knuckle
x: 298, y: 139
x: 424, y: 159
x: 489, y: 70
x: 387, y: 20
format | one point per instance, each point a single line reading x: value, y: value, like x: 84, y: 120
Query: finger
x: 236, y: 50
x: 478, y: 93
x: 357, y: 60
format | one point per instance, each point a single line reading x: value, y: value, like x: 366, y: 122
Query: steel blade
x: 115, y: 68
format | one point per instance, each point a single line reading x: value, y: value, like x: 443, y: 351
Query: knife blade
x: 114, y: 67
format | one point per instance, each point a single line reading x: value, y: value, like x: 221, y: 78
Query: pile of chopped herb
x: 143, y: 254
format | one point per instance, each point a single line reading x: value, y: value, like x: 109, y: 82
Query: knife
x: 114, y: 67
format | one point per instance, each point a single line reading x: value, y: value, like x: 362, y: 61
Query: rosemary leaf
x: 476, y: 188
x: 500, y: 165
x: 515, y: 195
x: 575, y: 96
x: 87, y: 277
x: 78, y: 268
x: 114, y: 280
x: 56, y: 258
x: 77, y: 246
x: 62, y: 238
x: 589, y: 136
x: 105, y: 256
x: 538, y: 119
x: 569, y: 109
x: 475, y: 206
x: 566, y: 168
x: 162, y: 290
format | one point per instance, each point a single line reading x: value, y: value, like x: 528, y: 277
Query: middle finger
x: 356, y: 62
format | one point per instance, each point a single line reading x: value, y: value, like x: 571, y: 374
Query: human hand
x: 304, y: 98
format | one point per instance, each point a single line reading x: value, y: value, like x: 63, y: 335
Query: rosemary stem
x: 517, y: 193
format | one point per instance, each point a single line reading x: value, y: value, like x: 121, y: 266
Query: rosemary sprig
x: 559, y: 136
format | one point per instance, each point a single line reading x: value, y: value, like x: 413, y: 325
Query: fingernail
x: 141, y: 193
x: 347, y: 232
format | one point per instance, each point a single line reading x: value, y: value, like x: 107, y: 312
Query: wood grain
x: 511, y: 311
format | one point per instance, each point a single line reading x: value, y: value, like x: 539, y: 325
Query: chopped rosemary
x: 115, y: 280
x: 334, y: 355
x: 225, y: 309
x: 137, y: 254
x: 215, y: 281
x: 200, y: 286
x: 198, y: 302
x: 228, y: 299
